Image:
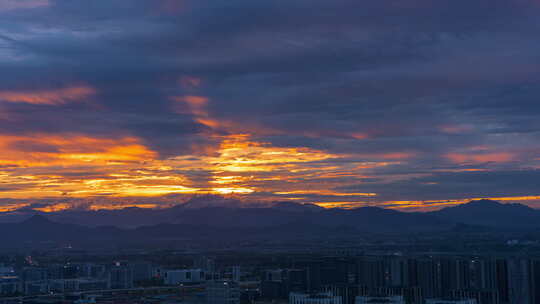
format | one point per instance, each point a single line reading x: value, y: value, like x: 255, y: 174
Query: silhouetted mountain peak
x: 485, y: 203
x: 491, y: 205
x: 491, y: 213
x: 37, y: 219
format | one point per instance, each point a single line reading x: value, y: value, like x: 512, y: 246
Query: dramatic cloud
x: 52, y: 97
x: 340, y: 103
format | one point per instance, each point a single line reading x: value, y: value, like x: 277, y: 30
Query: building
x: 518, y: 281
x: 296, y: 280
x: 30, y: 274
x: 534, y: 280
x: 205, y: 263
x: 347, y: 292
x: 9, y: 285
x: 274, y: 275
x: 222, y: 292
x: 81, y: 284
x: 482, y: 296
x: 91, y: 284
x: 90, y: 270
x: 6, y: 270
x: 411, y: 295
x: 314, y: 298
x: 312, y: 270
x: 120, y: 277
x: 184, y: 276
x: 35, y: 287
x: 380, y: 300
x: 142, y: 271
x: 236, y: 273
x: 451, y: 301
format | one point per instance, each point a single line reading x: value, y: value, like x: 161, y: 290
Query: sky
x: 411, y: 105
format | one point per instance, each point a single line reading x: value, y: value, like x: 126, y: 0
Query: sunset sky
x: 408, y: 104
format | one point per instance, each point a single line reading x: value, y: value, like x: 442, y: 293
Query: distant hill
x: 40, y: 230
x: 213, y: 224
x: 278, y: 221
x: 492, y: 214
x: 365, y: 219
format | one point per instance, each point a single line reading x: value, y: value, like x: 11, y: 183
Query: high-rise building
x: 534, y: 280
x: 205, y: 263
x: 9, y: 285
x: 314, y: 298
x: 120, y: 277
x: 91, y: 270
x: 222, y: 292
x: 313, y: 273
x: 30, y: 274
x: 502, y: 277
x: 335, y: 270
x: 482, y: 296
x: 518, y: 279
x: 236, y: 273
x: 35, y: 287
x: 296, y: 280
x: 411, y: 294
x: 428, y: 277
x: 373, y: 272
x: 142, y: 271
x: 347, y: 292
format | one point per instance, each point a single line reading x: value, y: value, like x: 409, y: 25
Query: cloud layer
x: 334, y: 102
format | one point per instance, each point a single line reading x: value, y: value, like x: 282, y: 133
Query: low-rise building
x: 35, y: 287
x: 184, y: 276
x: 81, y: 284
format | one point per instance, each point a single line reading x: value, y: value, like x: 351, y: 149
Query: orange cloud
x: 461, y: 158
x: 398, y: 155
x: 195, y: 105
x: 45, y: 165
x: 360, y: 136
x: 48, y: 97
x: 47, y: 150
x: 455, y: 129
x: 192, y: 100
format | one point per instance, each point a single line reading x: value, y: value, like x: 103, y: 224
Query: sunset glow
x: 147, y: 104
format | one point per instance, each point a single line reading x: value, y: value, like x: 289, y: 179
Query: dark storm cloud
x: 428, y: 84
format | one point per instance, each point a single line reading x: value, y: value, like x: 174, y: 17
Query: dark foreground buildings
x: 487, y: 280
x: 302, y: 279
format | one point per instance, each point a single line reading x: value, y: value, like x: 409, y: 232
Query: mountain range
x: 276, y: 221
